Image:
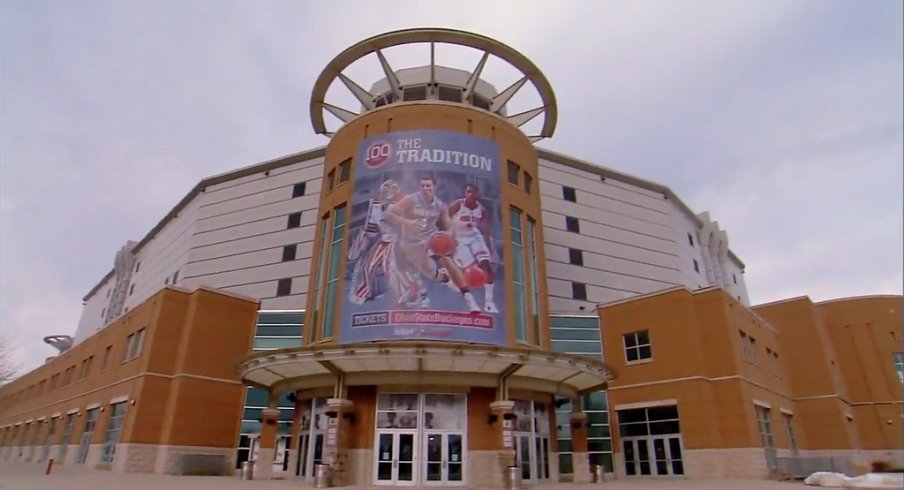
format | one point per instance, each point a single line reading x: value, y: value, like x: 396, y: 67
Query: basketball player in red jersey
x: 471, y: 229
x: 419, y: 216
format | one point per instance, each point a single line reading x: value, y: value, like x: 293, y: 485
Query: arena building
x: 431, y: 299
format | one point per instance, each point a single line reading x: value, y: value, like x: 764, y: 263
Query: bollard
x: 599, y: 473
x: 513, y: 478
x: 49, y: 466
x: 322, y: 476
x: 247, y: 470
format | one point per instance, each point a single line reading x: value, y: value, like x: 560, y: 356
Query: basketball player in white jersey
x: 419, y: 216
x: 471, y: 229
x: 373, y: 249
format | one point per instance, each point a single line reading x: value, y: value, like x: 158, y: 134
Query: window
x: 789, y: 432
x: 734, y: 278
x: 335, y: 259
x: 129, y: 341
x: 696, y: 266
x: 294, y: 221
x: 131, y: 289
x: 771, y: 360
x: 519, y: 284
x: 288, y: 252
x: 764, y: 419
x: 569, y: 194
x: 572, y: 225
x: 345, y: 170
x: 898, y: 359
x: 579, y: 291
x: 776, y: 364
x: 86, y: 367
x: 133, y: 346
x: 528, y: 183
x: 513, y: 171
x: 331, y: 180
x: 690, y: 239
x: 753, y: 353
x: 298, y: 189
x: 575, y: 256
x: 637, y: 346
x: 117, y: 413
x: 535, y: 296
x: 320, y: 272
x: 284, y: 287
x: 106, y: 358
x: 175, y: 277
x: 103, y: 312
x: 137, y: 266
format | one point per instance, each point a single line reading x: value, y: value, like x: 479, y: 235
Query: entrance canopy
x: 425, y: 362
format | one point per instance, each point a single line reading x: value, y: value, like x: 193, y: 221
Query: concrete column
x: 580, y: 460
x: 335, y: 448
x: 263, y: 467
x: 504, y: 427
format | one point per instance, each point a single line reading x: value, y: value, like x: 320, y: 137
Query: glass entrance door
x: 85, y: 442
x: 396, y: 456
x: 443, y: 462
x: 653, y: 456
x: 312, y: 432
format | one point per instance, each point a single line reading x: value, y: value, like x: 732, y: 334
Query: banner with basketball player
x: 425, y: 257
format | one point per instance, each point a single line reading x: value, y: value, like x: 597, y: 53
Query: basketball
x: 442, y: 244
x: 474, y: 276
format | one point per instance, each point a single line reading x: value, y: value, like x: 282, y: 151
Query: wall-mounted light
x: 492, y: 418
x: 350, y: 416
x: 331, y: 413
x: 509, y: 416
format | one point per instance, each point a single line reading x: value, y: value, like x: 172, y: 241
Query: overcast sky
x: 781, y: 118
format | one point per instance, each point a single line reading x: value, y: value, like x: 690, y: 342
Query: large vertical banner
x: 425, y: 259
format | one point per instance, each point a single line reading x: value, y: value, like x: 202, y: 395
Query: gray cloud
x: 783, y: 119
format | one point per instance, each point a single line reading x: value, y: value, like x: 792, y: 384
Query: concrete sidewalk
x: 28, y: 476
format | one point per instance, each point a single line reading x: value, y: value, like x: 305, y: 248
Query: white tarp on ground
x: 869, y: 480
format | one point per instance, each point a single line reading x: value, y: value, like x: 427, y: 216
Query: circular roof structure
x: 432, y: 36
x: 449, y: 363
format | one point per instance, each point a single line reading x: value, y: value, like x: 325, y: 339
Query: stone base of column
x: 263, y: 467
x: 581, y: 464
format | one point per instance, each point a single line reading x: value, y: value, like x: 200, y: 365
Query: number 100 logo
x: 377, y: 154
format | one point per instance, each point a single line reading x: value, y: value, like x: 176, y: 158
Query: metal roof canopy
x: 439, y: 362
x: 432, y: 36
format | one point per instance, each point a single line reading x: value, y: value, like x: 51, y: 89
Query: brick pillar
x: 263, y: 466
x: 335, y: 447
x: 504, y: 410
x: 580, y: 460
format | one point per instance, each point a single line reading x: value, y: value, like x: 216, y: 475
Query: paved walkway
x: 31, y: 477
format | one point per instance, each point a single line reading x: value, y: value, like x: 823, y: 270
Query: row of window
x: 750, y: 353
x: 60, y: 380
x: 28, y: 436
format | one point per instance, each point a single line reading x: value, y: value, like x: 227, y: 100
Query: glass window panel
x: 582, y: 322
x: 278, y: 331
x: 631, y: 355
x: 253, y: 413
x: 575, y: 334
x: 565, y: 463
x: 631, y: 430
x: 596, y: 401
x: 564, y: 445
x: 643, y: 337
x: 275, y: 318
x: 599, y: 431
x: 577, y: 347
x: 630, y: 340
x: 251, y: 427
x: 256, y: 397
x: 669, y: 427
x: 663, y: 413
x: 645, y: 352
x: 604, y: 459
x: 277, y: 343
x: 599, y: 445
x: 397, y: 401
